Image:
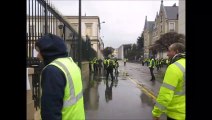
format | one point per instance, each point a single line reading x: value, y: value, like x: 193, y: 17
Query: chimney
x: 174, y: 5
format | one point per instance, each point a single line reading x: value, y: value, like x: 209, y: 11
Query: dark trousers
x: 152, y: 74
x: 90, y: 67
x: 116, y: 70
x: 158, y: 67
x: 111, y: 74
x: 168, y: 118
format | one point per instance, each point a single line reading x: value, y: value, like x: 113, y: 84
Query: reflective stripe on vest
x: 172, y: 87
x: 183, y: 71
x: 161, y: 107
x: 168, y: 86
x: 73, y: 99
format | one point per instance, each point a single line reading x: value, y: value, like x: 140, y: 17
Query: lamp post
x: 79, y: 37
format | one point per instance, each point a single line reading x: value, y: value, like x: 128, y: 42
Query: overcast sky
x: 124, y: 19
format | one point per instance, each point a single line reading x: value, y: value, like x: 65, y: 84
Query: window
x: 171, y: 26
x: 88, y: 29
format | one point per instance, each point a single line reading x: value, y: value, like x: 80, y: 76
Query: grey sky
x: 124, y: 20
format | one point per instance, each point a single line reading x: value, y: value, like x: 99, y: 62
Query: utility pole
x: 46, y: 22
x: 79, y: 37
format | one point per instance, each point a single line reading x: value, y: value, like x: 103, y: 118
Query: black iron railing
x: 43, y: 18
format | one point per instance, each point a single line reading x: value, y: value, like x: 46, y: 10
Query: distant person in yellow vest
x: 91, y: 69
x: 95, y: 64
x: 151, y: 68
x: 110, y: 67
x: 61, y: 83
x: 105, y: 64
x: 171, y: 97
x: 125, y: 61
x: 116, y: 66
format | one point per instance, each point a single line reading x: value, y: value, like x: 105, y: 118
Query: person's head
x: 50, y: 47
x: 151, y: 57
x: 174, y: 49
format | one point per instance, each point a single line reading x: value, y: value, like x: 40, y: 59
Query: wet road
x: 121, y: 99
x: 141, y: 74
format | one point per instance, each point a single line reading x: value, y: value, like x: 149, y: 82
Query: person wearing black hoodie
x: 61, y: 84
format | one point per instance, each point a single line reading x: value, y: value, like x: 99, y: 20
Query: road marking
x: 141, y: 86
x: 144, y: 89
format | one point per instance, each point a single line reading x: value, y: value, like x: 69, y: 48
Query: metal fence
x: 43, y: 18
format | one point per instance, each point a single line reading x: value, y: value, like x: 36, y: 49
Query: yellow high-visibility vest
x: 73, y: 105
x: 171, y: 97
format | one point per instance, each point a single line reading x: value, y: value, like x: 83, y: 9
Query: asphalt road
x: 130, y: 96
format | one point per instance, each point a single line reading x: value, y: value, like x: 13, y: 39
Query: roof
x: 171, y: 12
x: 150, y: 25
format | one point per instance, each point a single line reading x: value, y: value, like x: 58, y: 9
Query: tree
x: 107, y: 51
x: 167, y: 39
x: 140, y: 45
x: 140, y: 42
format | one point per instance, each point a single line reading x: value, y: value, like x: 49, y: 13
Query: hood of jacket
x: 51, y: 47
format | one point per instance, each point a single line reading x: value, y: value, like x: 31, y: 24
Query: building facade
x: 90, y: 27
x: 123, y: 51
x: 165, y: 21
x: 181, y: 21
x: 148, y: 31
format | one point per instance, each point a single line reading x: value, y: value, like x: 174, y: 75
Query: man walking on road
x: 125, y: 61
x: 151, y: 68
x: 171, y: 97
x: 110, y: 67
x: 61, y: 83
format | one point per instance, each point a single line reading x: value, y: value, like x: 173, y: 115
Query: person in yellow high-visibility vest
x: 151, y: 68
x: 110, y: 67
x: 125, y: 61
x: 61, y: 83
x: 171, y: 97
